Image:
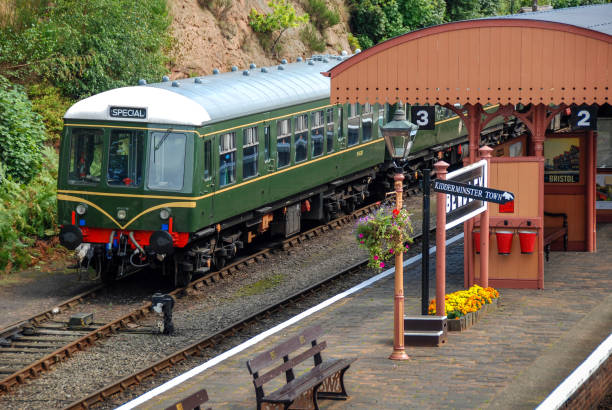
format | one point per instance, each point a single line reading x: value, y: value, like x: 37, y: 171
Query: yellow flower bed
x: 463, y: 302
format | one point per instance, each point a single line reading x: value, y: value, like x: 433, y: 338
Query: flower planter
x: 466, y: 321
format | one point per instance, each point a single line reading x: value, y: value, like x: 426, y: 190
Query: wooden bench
x: 323, y: 381
x: 553, y: 233
x: 192, y: 402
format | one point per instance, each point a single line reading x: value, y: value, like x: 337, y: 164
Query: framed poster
x: 562, y: 160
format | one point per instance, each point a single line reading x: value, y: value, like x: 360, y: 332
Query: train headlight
x: 121, y: 214
x: 164, y: 213
x: 81, y: 209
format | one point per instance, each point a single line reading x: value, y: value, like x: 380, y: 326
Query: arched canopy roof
x: 531, y: 58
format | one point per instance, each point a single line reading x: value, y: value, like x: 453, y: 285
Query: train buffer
x: 324, y: 381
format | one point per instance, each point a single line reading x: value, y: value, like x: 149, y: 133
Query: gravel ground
x: 200, y: 314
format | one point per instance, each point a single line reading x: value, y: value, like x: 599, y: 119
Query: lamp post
x: 399, y: 136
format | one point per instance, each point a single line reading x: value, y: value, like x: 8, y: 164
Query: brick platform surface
x: 512, y: 358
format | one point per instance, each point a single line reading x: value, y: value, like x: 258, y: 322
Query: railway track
x: 41, y: 335
x: 212, y: 342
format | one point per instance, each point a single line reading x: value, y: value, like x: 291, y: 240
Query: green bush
x: 373, y: 21
x: 22, y: 133
x: 27, y: 212
x: 353, y: 42
x: 51, y: 105
x: 320, y: 15
x: 312, y: 39
x: 86, y: 47
x: 282, y: 18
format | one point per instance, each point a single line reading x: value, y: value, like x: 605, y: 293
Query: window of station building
x: 366, y: 121
x: 301, y: 137
x: 353, y: 124
x: 125, y: 157
x: 250, y: 144
x: 330, y: 129
x: 86, y: 145
x: 207, y: 160
x: 227, y: 158
x: 283, y: 143
x: 167, y: 161
x: 267, y: 142
x: 316, y: 132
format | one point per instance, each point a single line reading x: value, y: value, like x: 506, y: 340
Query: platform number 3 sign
x: 584, y: 117
x: 424, y: 116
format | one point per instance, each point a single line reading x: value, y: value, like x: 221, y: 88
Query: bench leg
x: 333, y: 387
x: 307, y: 400
x: 547, y: 251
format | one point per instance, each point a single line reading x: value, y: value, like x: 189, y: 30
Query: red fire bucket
x: 504, y: 242
x: 527, y: 239
x: 476, y: 236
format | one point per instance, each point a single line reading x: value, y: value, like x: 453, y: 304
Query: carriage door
x: 207, y: 187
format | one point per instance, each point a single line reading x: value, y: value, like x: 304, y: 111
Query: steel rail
x: 47, y: 362
x: 48, y: 314
x: 209, y: 342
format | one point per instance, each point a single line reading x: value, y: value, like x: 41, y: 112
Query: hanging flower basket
x: 383, y: 234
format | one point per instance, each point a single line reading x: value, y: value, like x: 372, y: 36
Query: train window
x: 250, y: 143
x: 316, y: 133
x: 125, y: 158
x: 330, y: 129
x: 227, y: 158
x: 366, y: 121
x: 167, y: 161
x: 85, y: 156
x: 267, y: 142
x: 353, y: 124
x: 381, y: 118
x: 207, y: 160
x: 340, y: 123
x: 301, y: 137
x: 283, y: 143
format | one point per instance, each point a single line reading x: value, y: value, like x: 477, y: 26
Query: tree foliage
x: 282, y: 18
x: 86, y: 47
x: 373, y: 21
x: 22, y: 133
x: 321, y: 15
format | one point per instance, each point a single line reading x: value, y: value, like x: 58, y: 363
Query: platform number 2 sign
x: 584, y: 117
x: 424, y: 116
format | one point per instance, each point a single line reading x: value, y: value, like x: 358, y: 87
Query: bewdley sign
x: 467, y: 193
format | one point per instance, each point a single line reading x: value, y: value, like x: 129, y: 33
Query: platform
x: 512, y: 358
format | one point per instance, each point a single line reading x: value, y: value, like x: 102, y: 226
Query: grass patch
x: 261, y: 286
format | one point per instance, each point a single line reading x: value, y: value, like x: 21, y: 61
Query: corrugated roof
x: 218, y: 97
x: 596, y: 17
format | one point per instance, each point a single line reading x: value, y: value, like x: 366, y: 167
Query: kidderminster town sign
x: 467, y: 193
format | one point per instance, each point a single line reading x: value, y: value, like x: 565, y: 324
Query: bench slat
x: 271, y: 356
x: 290, y: 364
x: 316, y: 375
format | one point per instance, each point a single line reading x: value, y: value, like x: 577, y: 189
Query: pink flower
x: 375, y: 257
x: 360, y: 235
x: 382, y: 264
x: 390, y: 250
x: 407, y: 246
x: 361, y: 241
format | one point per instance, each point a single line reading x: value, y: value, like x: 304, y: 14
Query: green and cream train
x: 180, y: 175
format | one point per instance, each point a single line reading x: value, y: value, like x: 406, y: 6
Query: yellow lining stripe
x: 61, y: 197
x: 197, y: 198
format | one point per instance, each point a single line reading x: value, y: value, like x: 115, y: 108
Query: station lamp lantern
x: 399, y: 134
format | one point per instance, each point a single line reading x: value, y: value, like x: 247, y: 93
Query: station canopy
x: 561, y: 56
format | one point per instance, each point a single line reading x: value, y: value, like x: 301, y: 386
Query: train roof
x: 201, y: 100
x: 596, y: 17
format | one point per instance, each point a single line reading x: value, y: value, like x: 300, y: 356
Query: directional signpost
x: 467, y: 195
